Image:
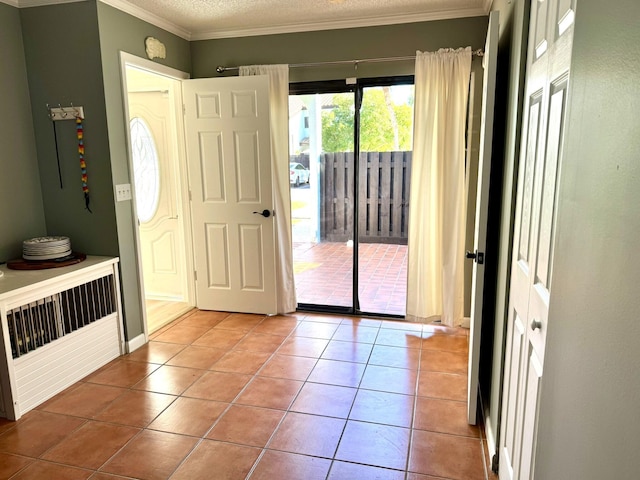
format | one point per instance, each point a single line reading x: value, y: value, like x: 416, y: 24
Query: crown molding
x: 339, y: 24
x: 149, y: 17
x: 41, y: 3
x: 171, y: 27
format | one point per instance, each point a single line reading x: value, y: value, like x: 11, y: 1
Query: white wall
x: 590, y: 407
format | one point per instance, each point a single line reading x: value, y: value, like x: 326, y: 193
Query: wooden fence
x: 383, y: 196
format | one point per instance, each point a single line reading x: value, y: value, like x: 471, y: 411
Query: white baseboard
x: 135, y: 343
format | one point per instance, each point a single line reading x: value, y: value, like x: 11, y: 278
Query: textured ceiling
x: 204, y: 19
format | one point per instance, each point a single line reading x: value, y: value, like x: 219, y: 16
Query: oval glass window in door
x: 146, y: 169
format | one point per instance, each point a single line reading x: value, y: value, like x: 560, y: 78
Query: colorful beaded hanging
x: 83, y: 164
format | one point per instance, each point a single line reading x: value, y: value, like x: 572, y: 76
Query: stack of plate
x: 46, y: 248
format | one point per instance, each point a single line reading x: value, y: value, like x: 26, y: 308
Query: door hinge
x: 195, y: 275
x: 495, y: 463
x: 190, y: 196
x: 184, y: 109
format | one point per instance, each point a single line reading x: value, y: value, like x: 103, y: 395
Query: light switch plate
x: 123, y: 192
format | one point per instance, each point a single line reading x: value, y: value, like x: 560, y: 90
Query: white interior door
x: 228, y: 148
x: 156, y: 174
x: 548, y: 62
x: 482, y: 208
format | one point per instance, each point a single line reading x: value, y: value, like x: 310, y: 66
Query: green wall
x: 345, y: 44
x: 21, y: 207
x: 63, y: 65
x: 122, y: 32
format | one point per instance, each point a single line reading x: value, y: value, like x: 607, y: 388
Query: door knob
x: 536, y: 324
x: 265, y: 213
x: 478, y: 257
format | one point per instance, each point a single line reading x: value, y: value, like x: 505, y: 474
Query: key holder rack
x: 65, y: 113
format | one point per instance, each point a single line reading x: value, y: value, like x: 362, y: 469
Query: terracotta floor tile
x: 229, y: 462
x: 123, y: 374
x: 155, y: 352
x: 315, y: 330
x: 151, y: 455
x: 243, y: 322
x: 395, y: 357
x: 356, y: 333
x: 344, y: 470
x: 399, y: 338
x: 325, y: 400
x: 136, y: 408
x: 6, y: 425
x: 374, y: 444
x: 11, y: 464
x: 287, y: 366
x: 246, y: 425
x: 290, y: 466
x: 308, y: 435
x: 346, y: 374
x: 219, y: 386
x: 361, y: 322
x: 91, y: 445
x: 444, y: 362
x: 389, y: 379
x: 189, y: 416
x: 446, y: 342
x: 442, y: 385
x: 278, y: 325
x: 38, y: 432
x: 203, y: 318
x: 417, y: 476
x: 402, y: 325
x: 39, y: 470
x: 260, y: 342
x: 170, y: 380
x: 219, y: 338
x: 269, y: 392
x: 86, y: 400
x: 383, y: 407
x: 448, y: 456
x: 312, y: 317
x: 181, y: 333
x: 303, y: 347
x: 197, y: 357
x: 104, y: 476
x: 348, y: 351
x: 444, y: 416
x: 239, y: 361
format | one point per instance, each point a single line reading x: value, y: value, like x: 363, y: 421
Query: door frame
x: 129, y: 60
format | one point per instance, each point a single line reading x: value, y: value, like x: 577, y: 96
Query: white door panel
x: 161, y: 228
x: 482, y: 209
x: 228, y: 149
x: 532, y: 265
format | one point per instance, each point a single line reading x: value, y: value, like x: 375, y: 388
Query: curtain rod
x: 221, y: 69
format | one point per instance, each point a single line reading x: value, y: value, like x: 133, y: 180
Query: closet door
x: 548, y: 62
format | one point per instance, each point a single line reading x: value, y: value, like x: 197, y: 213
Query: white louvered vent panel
x: 38, y: 323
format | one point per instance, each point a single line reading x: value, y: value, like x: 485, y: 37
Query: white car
x: 298, y: 174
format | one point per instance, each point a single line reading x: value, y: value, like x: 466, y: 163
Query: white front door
x: 156, y: 174
x: 228, y: 148
x: 548, y: 62
x: 482, y: 208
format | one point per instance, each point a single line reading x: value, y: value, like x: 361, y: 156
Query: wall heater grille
x: 40, y: 322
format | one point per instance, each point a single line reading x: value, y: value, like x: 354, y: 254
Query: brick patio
x: 323, y: 275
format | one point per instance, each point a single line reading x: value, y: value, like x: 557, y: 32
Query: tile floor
x: 323, y: 275
x: 235, y: 396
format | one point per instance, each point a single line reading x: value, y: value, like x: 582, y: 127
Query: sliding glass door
x: 350, y: 148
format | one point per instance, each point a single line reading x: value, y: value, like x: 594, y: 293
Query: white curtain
x: 437, y: 204
x: 279, y: 104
